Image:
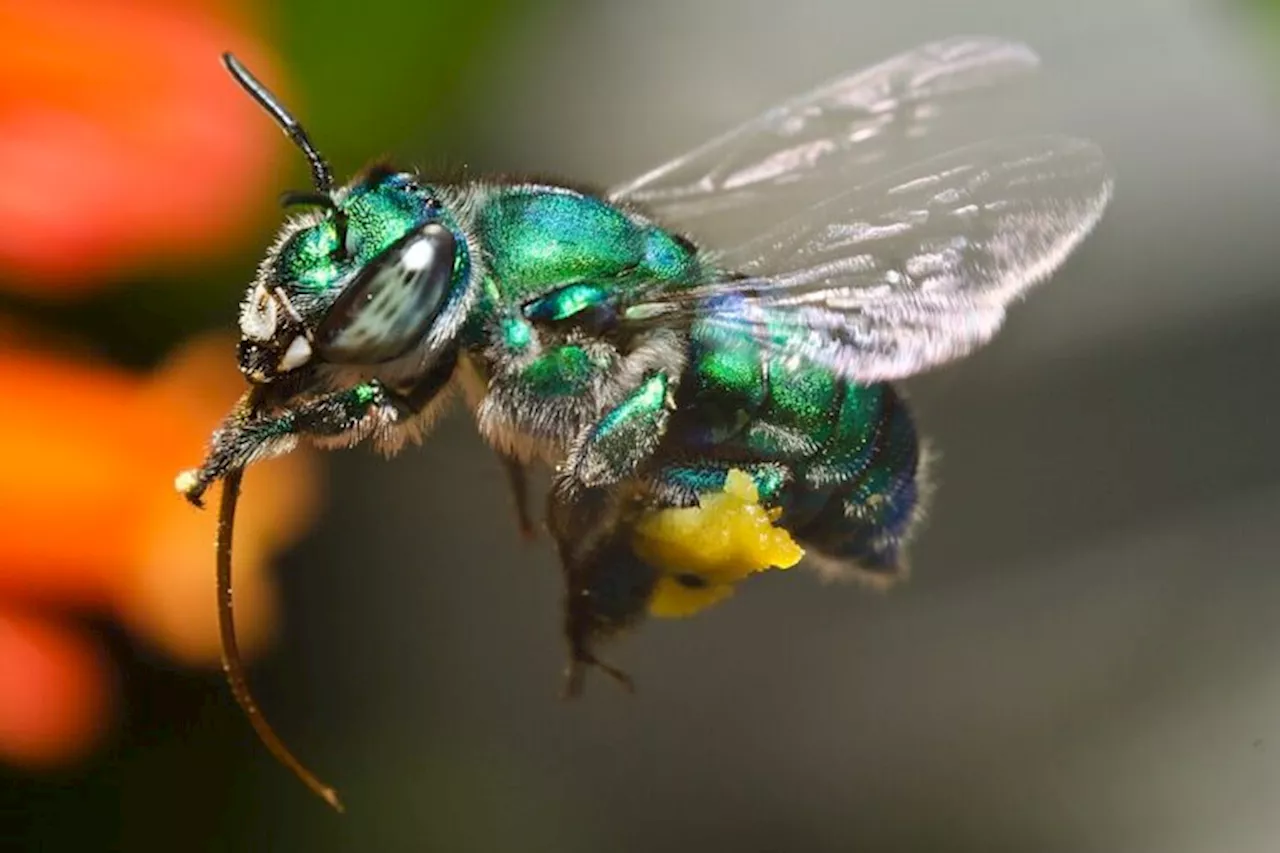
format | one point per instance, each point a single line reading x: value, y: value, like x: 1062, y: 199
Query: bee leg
x: 576, y: 673
x: 247, y: 436
x: 607, y: 587
x: 518, y: 481
x: 614, y: 447
x: 345, y: 416
x: 593, y: 504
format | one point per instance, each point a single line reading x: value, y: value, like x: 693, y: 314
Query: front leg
x: 346, y: 416
x: 248, y: 436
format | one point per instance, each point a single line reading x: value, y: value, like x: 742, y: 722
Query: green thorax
x: 575, y: 249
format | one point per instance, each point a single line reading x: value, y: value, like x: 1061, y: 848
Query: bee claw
x: 575, y: 676
x: 191, y: 486
x: 624, y: 680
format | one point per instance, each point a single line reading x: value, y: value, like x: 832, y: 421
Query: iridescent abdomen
x: 840, y: 459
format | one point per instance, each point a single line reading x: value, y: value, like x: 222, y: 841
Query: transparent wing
x: 931, y: 99
x: 917, y: 269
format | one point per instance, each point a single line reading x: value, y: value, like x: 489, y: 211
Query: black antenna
x: 320, y: 173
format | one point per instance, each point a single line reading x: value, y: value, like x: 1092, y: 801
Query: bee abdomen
x: 841, y: 460
x: 870, y: 485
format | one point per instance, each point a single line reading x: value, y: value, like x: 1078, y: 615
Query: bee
x: 745, y: 307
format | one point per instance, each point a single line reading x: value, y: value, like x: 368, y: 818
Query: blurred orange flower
x: 52, y: 700
x: 122, y: 141
x: 121, y: 137
x: 89, y: 520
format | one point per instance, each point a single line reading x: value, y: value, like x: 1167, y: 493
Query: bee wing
x: 922, y: 102
x: 894, y: 277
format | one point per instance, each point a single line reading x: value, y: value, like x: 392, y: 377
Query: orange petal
x: 168, y: 593
x: 122, y: 137
x: 75, y: 442
x: 53, y: 691
x: 88, y: 515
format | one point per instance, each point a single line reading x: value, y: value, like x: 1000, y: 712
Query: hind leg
x: 608, y: 586
x: 854, y: 529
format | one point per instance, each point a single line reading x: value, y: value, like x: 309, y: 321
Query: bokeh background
x: 1086, y: 656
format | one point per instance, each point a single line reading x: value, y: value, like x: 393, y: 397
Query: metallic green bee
x: 744, y: 306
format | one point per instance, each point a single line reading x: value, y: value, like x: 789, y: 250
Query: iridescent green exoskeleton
x: 744, y: 306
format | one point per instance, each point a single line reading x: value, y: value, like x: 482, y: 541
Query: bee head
x: 361, y: 279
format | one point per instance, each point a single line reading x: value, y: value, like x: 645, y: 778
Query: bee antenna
x: 320, y: 173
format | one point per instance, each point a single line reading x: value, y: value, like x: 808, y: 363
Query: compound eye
x: 389, y: 304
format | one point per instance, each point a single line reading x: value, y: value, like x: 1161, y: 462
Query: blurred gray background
x: 1086, y: 656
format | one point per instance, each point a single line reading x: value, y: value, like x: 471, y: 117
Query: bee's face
x: 356, y: 283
